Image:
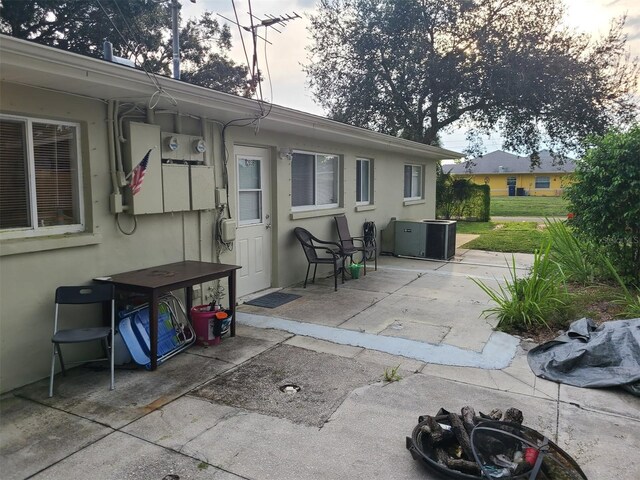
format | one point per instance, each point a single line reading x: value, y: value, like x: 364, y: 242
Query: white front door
x: 253, y: 237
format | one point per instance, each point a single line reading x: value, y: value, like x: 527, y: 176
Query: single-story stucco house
x: 508, y: 174
x: 228, y: 179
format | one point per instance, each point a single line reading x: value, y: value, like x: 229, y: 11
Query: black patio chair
x: 312, y: 246
x: 83, y: 295
x: 366, y: 244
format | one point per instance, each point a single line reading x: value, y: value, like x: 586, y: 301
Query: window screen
x: 39, y: 178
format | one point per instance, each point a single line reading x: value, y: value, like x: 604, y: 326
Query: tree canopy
x: 416, y: 68
x: 138, y: 29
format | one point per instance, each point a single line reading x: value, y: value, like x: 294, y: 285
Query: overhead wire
x: 255, y: 66
x: 139, y: 46
x: 244, y: 47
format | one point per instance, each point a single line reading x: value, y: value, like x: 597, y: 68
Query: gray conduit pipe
x: 118, y: 139
x: 208, y: 141
x: 112, y: 152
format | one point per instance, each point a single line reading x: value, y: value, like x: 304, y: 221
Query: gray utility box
x: 410, y: 238
x: 425, y: 239
x: 441, y: 239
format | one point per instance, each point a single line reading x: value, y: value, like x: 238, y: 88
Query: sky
x: 286, y: 55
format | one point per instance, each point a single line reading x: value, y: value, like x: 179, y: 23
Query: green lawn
x: 528, y: 207
x: 512, y: 237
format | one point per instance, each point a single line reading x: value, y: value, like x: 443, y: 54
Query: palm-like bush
x: 580, y: 260
x: 533, y: 300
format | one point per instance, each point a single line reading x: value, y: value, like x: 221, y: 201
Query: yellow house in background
x: 510, y: 175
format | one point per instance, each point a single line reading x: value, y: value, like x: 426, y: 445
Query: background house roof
x: 503, y: 162
x: 29, y: 63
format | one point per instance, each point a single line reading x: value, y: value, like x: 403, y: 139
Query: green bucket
x: 355, y: 270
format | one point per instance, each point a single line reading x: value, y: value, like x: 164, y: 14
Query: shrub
x: 531, y: 301
x: 606, y: 199
x: 628, y: 299
x: 461, y: 198
x: 580, y: 260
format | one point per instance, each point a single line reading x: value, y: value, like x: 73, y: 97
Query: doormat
x: 273, y: 300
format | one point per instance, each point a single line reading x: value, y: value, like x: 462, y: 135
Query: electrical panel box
x: 183, y: 148
x: 202, y: 187
x: 141, y: 138
x: 410, y: 238
x: 175, y: 188
x: 228, y: 228
x: 197, y: 147
x: 221, y: 196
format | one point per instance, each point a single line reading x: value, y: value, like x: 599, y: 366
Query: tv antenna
x: 269, y: 22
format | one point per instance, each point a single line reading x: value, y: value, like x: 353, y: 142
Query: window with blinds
x: 39, y: 178
x: 314, y: 180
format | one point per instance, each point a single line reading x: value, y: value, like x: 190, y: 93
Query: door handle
x: 267, y: 226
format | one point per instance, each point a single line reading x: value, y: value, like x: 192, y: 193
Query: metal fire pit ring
x: 416, y: 449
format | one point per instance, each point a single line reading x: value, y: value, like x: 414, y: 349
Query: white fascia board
x: 121, y: 81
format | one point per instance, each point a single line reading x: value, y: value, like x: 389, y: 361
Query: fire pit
x: 467, y: 446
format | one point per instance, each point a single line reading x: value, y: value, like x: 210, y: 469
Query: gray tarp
x: 591, y: 356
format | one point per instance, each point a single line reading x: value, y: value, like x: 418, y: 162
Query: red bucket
x: 205, y: 322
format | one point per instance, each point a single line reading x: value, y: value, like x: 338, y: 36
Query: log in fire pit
x: 466, y: 446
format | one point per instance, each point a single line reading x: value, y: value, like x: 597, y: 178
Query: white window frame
x: 35, y: 230
x: 315, y: 206
x: 252, y: 221
x: 548, y: 182
x: 368, y: 162
x: 420, y: 176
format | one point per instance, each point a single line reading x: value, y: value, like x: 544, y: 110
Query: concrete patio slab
x: 176, y: 424
x: 496, y: 379
x: 416, y: 330
x: 315, y: 307
x: 496, y: 353
x: 321, y: 346
x: 120, y: 456
x: 234, y: 350
x: 383, y: 281
x: 33, y: 436
x: 603, y: 445
x: 85, y: 391
x: 606, y: 400
x: 438, y: 285
x: 350, y: 424
x: 324, y: 381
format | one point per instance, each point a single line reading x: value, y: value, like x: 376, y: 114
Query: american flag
x: 137, y: 175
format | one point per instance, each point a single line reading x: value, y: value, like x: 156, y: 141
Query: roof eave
x: 55, y: 62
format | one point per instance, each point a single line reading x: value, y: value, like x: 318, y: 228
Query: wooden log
x: 496, y: 414
x: 468, y: 415
x: 461, y: 434
x: 442, y: 457
x: 437, y: 435
x: 464, y: 466
x: 513, y: 415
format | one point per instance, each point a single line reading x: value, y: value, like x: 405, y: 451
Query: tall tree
x: 138, y: 29
x: 416, y: 68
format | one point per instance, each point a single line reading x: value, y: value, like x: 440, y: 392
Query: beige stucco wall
x: 28, y: 279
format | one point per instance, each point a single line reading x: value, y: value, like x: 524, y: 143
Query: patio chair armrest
x: 358, y: 239
x: 324, y: 242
